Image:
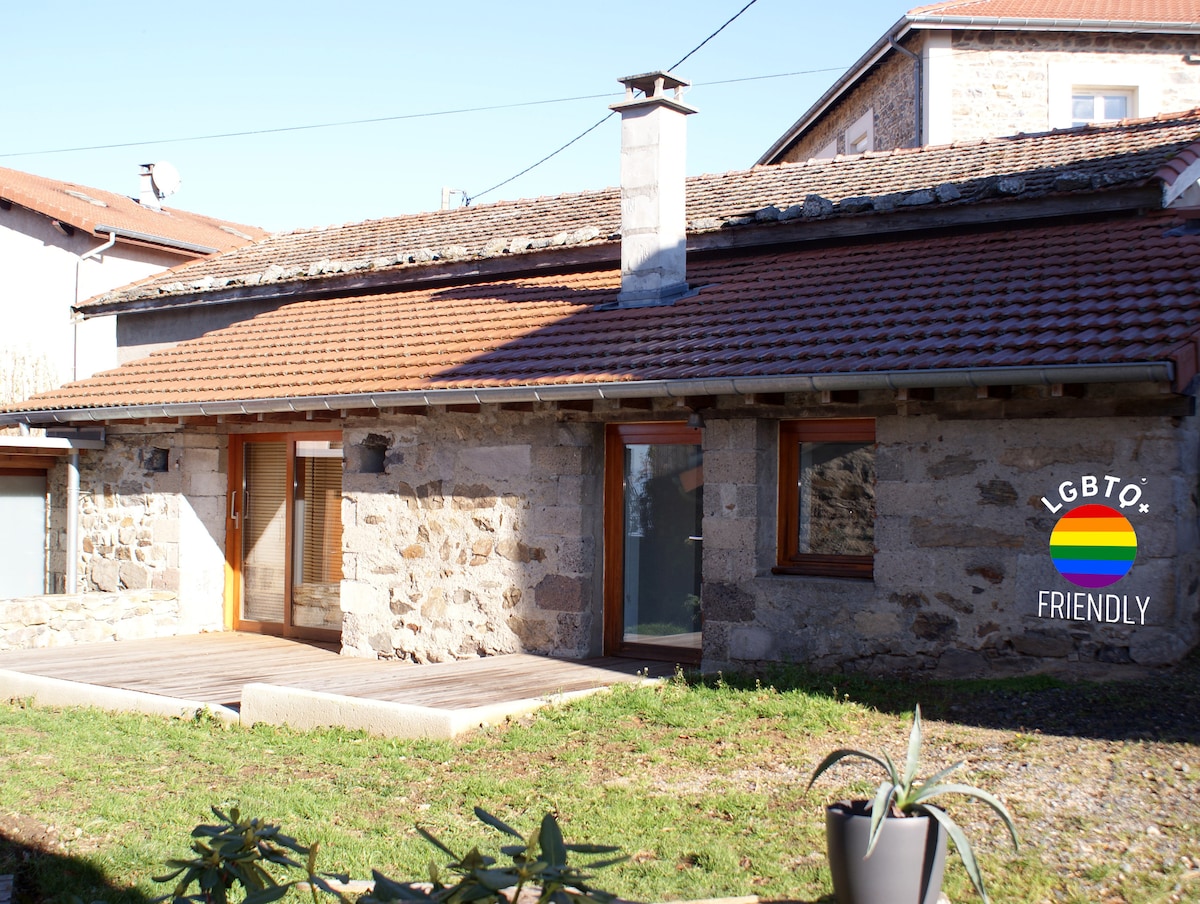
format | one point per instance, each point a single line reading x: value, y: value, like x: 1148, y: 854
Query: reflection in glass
x: 664, y: 487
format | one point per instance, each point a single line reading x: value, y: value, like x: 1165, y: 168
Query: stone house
x: 969, y: 69
x: 927, y: 410
x: 61, y: 243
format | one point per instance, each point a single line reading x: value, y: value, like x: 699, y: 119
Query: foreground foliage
x: 234, y: 855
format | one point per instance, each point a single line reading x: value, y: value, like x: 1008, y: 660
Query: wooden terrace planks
x: 212, y: 668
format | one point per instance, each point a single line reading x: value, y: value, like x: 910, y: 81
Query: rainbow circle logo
x: 1093, y: 546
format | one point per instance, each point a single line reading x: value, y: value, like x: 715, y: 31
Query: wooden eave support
x: 575, y: 405
x: 1068, y: 390
x: 993, y: 392
x: 637, y: 404
x: 921, y: 394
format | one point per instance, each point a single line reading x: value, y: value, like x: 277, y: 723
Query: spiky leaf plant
x: 905, y: 794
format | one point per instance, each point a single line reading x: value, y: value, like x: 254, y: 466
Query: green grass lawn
x: 701, y: 783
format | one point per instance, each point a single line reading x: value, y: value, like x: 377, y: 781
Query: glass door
x: 286, y: 534
x: 654, y: 509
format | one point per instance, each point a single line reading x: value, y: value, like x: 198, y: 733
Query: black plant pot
x: 905, y: 867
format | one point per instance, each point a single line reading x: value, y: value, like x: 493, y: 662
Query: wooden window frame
x: 788, y: 559
x: 615, y: 438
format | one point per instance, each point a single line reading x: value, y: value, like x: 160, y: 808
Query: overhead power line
x: 467, y: 199
x: 247, y: 133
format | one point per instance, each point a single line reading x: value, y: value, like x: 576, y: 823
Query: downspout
x: 72, y: 573
x: 95, y: 252
x: 918, y: 118
x: 72, y: 570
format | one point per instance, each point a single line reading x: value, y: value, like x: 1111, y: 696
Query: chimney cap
x: 653, y: 85
x: 647, y: 82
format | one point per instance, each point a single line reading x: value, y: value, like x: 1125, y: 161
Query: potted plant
x: 902, y: 865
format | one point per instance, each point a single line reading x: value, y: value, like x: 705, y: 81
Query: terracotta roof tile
x: 88, y: 208
x: 829, y: 310
x: 1090, y: 158
x: 1163, y: 11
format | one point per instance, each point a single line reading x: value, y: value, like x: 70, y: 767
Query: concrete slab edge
x: 46, y: 691
x: 305, y: 709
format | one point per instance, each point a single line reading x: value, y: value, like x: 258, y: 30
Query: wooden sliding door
x: 285, y: 534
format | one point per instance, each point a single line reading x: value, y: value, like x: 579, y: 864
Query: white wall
x: 39, y: 267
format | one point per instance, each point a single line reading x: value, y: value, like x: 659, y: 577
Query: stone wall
x: 1006, y: 82
x: 887, y: 92
x: 478, y: 536
x: 963, y: 574
x: 37, y: 622
x: 477, y: 532
x: 152, y: 517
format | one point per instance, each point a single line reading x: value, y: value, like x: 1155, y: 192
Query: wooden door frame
x: 616, y: 437
x: 234, y: 521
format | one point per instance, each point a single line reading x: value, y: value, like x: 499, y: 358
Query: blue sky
x: 86, y: 75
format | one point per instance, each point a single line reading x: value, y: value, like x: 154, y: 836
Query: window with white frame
x: 860, y: 137
x: 1102, y: 105
x: 1082, y: 92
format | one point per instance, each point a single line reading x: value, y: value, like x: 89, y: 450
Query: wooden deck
x: 214, y: 670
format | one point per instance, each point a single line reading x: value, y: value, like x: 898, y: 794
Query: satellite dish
x: 166, y: 178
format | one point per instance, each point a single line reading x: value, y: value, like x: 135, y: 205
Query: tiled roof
x: 1090, y: 158
x: 1115, y: 11
x: 89, y: 208
x: 1121, y: 289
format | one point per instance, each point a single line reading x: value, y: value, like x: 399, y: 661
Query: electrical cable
x: 467, y: 199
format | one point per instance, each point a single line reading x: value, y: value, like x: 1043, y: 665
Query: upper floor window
x: 1101, y: 105
x: 827, y: 497
x: 860, y: 137
x: 1080, y: 92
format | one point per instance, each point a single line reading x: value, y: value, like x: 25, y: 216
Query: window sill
x: 863, y: 571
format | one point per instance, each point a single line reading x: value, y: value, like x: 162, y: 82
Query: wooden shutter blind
x: 264, y: 538
x: 322, y: 520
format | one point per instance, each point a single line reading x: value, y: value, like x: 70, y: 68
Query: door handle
x: 696, y: 539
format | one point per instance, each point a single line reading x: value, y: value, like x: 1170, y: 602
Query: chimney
x: 653, y: 216
x: 147, y: 196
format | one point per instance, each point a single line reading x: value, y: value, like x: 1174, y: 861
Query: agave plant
x: 904, y: 794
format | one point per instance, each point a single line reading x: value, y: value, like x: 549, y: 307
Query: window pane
x: 664, y: 509
x: 264, y: 534
x: 317, y: 553
x: 1083, y: 109
x: 837, y: 499
x: 1116, y: 106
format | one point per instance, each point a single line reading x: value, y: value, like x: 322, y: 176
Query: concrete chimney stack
x: 653, y: 201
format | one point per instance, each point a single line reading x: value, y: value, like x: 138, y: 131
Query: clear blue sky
x: 87, y: 74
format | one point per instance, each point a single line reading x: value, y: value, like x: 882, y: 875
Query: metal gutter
x: 154, y: 239
x: 1137, y: 372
